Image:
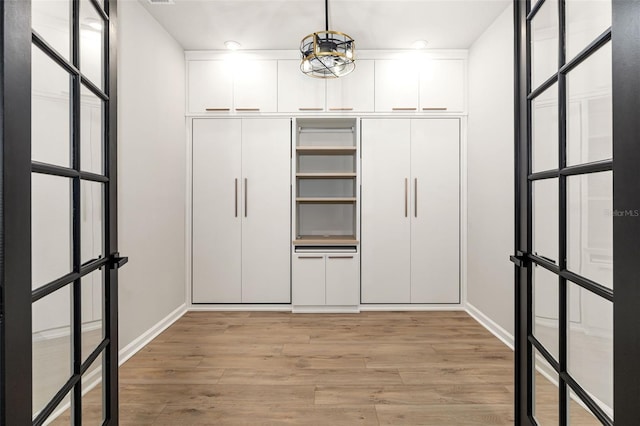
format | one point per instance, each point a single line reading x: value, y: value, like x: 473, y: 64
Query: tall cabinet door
x: 266, y: 227
x: 435, y: 207
x: 216, y: 211
x: 386, y: 229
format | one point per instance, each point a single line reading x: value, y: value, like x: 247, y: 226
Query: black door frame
x: 16, y: 167
x: 624, y: 36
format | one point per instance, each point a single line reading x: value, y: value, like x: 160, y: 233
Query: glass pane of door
x: 569, y: 221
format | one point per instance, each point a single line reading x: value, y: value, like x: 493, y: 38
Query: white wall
x: 490, y: 173
x: 151, y: 166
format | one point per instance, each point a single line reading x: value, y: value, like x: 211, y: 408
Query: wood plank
x: 276, y: 414
x: 413, y: 394
x: 390, y: 368
x: 145, y: 375
x: 344, y: 376
x: 446, y: 414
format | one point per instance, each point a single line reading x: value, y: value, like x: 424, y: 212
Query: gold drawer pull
x: 340, y: 109
x: 217, y: 109
x: 247, y: 109
x: 310, y: 109
x: 403, y: 109
x: 435, y: 109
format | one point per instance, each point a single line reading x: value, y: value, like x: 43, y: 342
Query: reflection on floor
x: 546, y: 406
x: 382, y: 368
x: 52, y: 362
x: 590, y: 357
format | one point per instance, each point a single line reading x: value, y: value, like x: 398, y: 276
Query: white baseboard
x: 491, y: 325
x: 389, y: 307
x: 235, y: 308
x: 325, y: 309
x: 132, y: 348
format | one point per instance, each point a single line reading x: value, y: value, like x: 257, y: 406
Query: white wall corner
x: 492, y: 326
x: 145, y: 338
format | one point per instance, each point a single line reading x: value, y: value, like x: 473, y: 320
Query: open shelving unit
x: 326, y: 182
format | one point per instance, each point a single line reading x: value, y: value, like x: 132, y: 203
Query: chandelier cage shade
x: 327, y: 54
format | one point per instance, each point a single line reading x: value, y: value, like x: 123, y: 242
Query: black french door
x: 577, y: 216
x: 58, y: 256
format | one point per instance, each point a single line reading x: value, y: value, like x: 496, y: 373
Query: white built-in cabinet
x: 355, y: 91
x: 397, y: 83
x: 410, y: 210
x: 223, y: 86
x: 241, y: 210
x: 298, y: 92
x: 326, y: 279
x: 414, y: 84
x: 442, y: 86
x: 209, y: 86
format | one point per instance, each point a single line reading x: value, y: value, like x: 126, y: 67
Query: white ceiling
x: 281, y: 24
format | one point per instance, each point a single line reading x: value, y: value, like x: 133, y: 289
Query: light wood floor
x: 386, y: 368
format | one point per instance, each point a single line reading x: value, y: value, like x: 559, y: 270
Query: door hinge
x: 520, y: 259
x: 118, y: 261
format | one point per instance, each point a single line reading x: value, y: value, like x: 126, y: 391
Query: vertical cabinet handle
x: 406, y: 196
x: 245, y: 197
x: 415, y: 197
x: 236, y: 197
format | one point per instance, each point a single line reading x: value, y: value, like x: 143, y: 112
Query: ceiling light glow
x: 419, y: 44
x: 232, y: 45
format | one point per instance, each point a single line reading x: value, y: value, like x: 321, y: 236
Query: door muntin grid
x: 572, y: 281
x: 73, y: 300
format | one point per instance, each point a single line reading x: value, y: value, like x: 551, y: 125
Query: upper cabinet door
x: 396, y: 85
x: 255, y: 87
x: 353, y: 92
x: 298, y: 92
x: 442, y: 85
x: 210, y: 86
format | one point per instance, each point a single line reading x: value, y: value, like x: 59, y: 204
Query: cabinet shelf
x: 329, y: 241
x: 323, y: 200
x: 326, y: 175
x: 325, y: 150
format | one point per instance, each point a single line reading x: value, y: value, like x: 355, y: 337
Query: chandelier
x: 327, y: 54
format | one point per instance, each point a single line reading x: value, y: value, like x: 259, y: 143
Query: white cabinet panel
x: 216, y: 211
x: 298, y: 92
x: 265, y: 201
x: 342, y: 279
x: 354, y: 92
x: 442, y: 84
x: 386, y: 225
x: 410, y: 237
x: 308, y: 279
x: 210, y: 86
x: 435, y: 194
x: 255, y: 87
x: 396, y: 85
